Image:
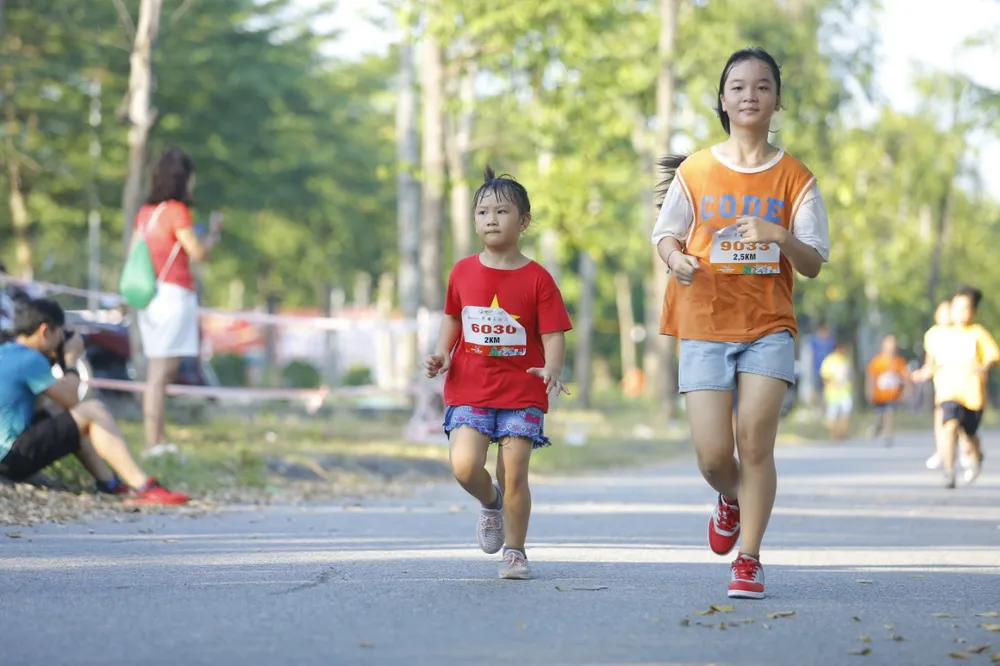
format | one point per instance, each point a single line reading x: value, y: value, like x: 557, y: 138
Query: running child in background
x: 738, y: 220
x: 838, y: 391
x: 503, y: 344
x: 885, y: 381
x: 932, y: 342
x: 960, y: 365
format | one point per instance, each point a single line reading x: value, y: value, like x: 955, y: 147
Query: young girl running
x: 737, y: 220
x: 503, y: 345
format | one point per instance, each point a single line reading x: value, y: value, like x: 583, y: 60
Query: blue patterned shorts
x: 499, y: 423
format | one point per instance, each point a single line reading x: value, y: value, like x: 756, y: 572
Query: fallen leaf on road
x: 723, y: 608
x: 888, y: 627
x: 520, y: 624
x: 857, y: 618
x: 959, y: 655
x: 171, y: 540
x: 961, y: 640
x: 995, y: 657
x: 766, y: 625
x: 979, y: 649
x: 895, y: 637
x: 990, y: 627
x: 685, y: 622
x: 710, y: 611
x: 865, y: 639
x: 989, y: 614
x: 865, y: 581
x: 456, y: 508
x: 366, y: 644
x: 942, y: 615
x: 780, y: 614
x: 12, y: 535
x: 863, y: 652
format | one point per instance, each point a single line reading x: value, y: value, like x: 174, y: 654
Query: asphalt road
x: 864, y: 544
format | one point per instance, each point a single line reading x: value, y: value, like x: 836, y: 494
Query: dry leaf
x: 865, y: 581
x: 895, y: 637
x: 979, y: 649
x: 710, y: 611
x: 722, y: 626
x: 520, y: 624
x: 723, y: 608
x: 12, y: 535
x: 961, y: 641
x: 958, y: 655
x: 942, y: 615
x: 685, y: 622
x: 780, y: 614
x: 655, y: 620
x: 990, y: 627
x: 171, y: 540
x: 766, y: 625
x: 863, y: 652
x: 888, y: 627
x: 366, y: 644
x: 865, y: 639
x: 857, y: 619
x: 989, y: 614
x: 995, y: 657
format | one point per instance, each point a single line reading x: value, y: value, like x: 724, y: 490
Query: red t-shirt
x: 506, y: 312
x: 162, y: 237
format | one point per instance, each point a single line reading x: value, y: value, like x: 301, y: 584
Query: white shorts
x: 168, y: 326
x: 837, y: 409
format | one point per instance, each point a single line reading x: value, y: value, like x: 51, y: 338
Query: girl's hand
x: 756, y: 230
x: 437, y: 364
x: 553, y: 384
x: 683, y: 266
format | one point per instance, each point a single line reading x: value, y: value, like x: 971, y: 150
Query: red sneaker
x: 724, y: 527
x: 154, y: 493
x: 748, y: 578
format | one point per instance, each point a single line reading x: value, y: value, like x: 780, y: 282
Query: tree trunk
x: 20, y: 222
x: 432, y: 165
x: 661, y: 381
x: 141, y: 116
x: 584, y: 325
x: 407, y: 188
x: 458, y: 141
x: 626, y: 322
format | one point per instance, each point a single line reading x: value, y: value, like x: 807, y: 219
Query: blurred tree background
x: 328, y: 168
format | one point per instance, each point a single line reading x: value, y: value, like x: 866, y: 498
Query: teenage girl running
x: 738, y: 219
x: 503, y: 345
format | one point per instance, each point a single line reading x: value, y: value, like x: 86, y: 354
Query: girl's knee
x: 714, y: 464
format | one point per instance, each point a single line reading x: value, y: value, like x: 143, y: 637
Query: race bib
x: 731, y: 254
x: 889, y: 381
x: 492, y: 332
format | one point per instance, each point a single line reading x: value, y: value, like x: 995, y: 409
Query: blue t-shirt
x: 24, y: 375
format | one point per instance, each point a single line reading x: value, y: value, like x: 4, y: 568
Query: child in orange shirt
x: 738, y: 220
x: 885, y: 381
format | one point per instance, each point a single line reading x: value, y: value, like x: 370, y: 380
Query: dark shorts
x: 47, y: 439
x: 498, y: 423
x: 968, y: 419
x: 883, y: 407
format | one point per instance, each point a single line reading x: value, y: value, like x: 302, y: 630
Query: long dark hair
x: 669, y: 164
x: 170, y: 178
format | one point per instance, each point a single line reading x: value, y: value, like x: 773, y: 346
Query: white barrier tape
x: 252, y: 317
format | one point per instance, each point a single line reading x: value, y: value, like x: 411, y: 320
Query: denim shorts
x: 712, y: 366
x: 499, y: 423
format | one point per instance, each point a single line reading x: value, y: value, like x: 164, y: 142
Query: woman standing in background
x: 168, y: 326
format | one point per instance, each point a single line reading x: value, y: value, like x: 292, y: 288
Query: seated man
x: 33, y: 438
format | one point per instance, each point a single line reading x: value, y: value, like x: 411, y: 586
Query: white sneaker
x: 515, y: 566
x: 934, y: 462
x: 161, y: 450
x: 489, y: 530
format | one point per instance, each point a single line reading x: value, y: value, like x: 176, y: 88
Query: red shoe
x: 748, y: 578
x: 724, y: 527
x: 154, y: 493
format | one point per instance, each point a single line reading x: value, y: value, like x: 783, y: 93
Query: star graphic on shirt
x: 496, y: 304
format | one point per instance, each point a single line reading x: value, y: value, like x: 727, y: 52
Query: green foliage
x: 301, y: 375
x: 231, y: 369
x: 358, y: 375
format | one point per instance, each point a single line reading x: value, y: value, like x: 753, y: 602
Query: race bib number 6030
x: 492, y: 332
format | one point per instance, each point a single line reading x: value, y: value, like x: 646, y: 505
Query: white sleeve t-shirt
x: 810, y: 224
